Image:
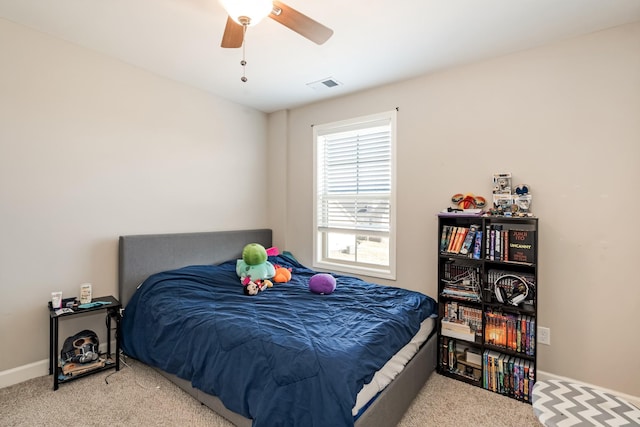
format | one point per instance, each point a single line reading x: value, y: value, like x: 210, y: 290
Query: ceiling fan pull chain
x: 243, y: 62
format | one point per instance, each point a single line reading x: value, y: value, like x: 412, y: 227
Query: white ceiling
x: 374, y: 42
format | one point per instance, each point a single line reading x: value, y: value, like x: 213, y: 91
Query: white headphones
x: 518, y: 294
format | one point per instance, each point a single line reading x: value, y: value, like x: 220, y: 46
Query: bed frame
x: 143, y: 255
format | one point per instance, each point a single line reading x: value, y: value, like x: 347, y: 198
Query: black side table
x: 113, y: 312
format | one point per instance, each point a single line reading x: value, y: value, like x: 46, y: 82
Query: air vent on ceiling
x: 324, y: 84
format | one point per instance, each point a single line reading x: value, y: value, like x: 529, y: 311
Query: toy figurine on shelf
x: 523, y: 200
x: 502, y: 183
x: 502, y: 198
x: 468, y: 201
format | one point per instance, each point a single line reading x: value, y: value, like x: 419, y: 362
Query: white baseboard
x: 33, y: 370
x: 544, y: 376
x: 24, y: 373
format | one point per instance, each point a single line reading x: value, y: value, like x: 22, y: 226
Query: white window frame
x: 320, y: 245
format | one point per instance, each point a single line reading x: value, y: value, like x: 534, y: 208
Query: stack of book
x: 470, y: 315
x: 455, y: 328
x: 461, y: 282
x: 462, y: 290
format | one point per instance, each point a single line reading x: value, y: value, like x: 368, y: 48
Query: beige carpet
x: 139, y: 396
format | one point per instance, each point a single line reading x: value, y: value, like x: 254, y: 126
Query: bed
x: 162, y: 263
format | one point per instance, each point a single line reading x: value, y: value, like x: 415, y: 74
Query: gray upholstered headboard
x: 144, y: 255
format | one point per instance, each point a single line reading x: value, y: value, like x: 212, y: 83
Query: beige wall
x: 90, y: 149
x: 563, y: 118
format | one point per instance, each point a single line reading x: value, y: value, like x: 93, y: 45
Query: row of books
x: 508, y: 375
x: 471, y: 316
x: 509, y: 244
x: 462, y: 240
x: 510, y: 331
x: 501, y: 244
x: 461, y: 282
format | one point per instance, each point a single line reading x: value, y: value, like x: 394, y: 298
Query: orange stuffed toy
x: 468, y: 201
x: 283, y: 275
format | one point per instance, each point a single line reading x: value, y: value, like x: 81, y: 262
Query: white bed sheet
x: 394, y: 366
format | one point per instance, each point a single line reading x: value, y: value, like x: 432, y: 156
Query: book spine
x: 517, y: 377
x: 485, y: 370
x: 509, y: 380
x: 487, y: 328
x: 496, y: 362
x: 452, y: 355
x: 503, y: 331
x: 532, y: 378
x: 521, y: 379
x: 532, y: 336
x: 525, y: 381
x: 468, y: 240
x: 444, y: 357
x: 501, y: 374
x: 519, y: 333
x: 505, y: 246
x: 525, y: 337
x: 450, y: 235
x: 487, y: 239
x: 443, y: 238
x: 492, y: 248
x: 477, y: 247
x: 452, y: 238
x: 460, y: 239
x: 490, y: 369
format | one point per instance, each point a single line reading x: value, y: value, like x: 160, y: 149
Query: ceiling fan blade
x: 300, y: 23
x: 233, y: 34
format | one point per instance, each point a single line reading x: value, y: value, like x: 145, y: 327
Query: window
x: 355, y: 195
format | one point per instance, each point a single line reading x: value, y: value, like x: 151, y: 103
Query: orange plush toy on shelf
x: 468, y: 201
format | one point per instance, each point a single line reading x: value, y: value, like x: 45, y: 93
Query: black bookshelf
x: 482, y: 340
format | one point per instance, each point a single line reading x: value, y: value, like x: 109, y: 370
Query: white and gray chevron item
x: 559, y: 403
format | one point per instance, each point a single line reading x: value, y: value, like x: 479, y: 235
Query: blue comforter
x: 285, y: 357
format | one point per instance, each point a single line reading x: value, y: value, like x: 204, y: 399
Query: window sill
x: 352, y: 269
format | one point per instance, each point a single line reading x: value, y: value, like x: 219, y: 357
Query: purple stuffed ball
x: 322, y: 283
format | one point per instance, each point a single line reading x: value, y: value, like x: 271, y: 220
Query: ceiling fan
x: 245, y: 13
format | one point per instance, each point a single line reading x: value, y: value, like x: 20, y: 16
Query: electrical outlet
x: 544, y: 335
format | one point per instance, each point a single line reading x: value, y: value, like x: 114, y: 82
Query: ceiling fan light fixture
x: 247, y: 12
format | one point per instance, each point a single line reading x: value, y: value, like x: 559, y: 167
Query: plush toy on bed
x: 282, y: 275
x: 252, y: 288
x: 254, y: 265
x: 322, y: 283
x: 249, y: 287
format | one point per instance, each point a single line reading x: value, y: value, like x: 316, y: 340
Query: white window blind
x: 355, y: 183
x: 354, y: 193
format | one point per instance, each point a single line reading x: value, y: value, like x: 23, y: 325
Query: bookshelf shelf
x: 462, y: 377
x: 508, y: 352
x: 487, y: 298
x: 512, y: 263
